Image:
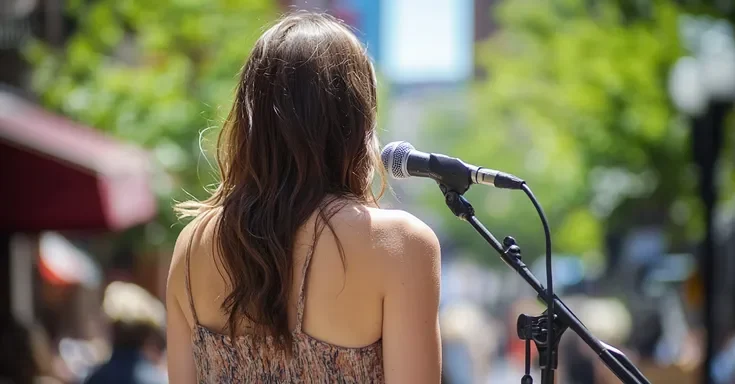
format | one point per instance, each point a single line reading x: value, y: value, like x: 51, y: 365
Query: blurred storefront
x: 59, y: 182
x: 60, y: 176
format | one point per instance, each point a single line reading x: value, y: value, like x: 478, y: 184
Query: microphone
x: 402, y: 160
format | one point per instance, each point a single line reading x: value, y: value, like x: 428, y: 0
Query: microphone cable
x: 549, y: 282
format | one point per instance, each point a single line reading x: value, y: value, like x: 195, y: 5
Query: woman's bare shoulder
x: 410, y: 254
x: 398, y: 237
x: 380, y: 232
x: 195, y: 238
x: 399, y: 225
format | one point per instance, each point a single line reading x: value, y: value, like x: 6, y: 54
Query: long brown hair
x: 299, y: 139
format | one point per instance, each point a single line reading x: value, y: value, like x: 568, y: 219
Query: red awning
x: 59, y: 175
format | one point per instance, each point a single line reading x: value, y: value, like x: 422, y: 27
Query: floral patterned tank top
x: 255, y: 359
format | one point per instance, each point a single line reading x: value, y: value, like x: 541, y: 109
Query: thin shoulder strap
x: 302, y: 291
x: 188, y: 283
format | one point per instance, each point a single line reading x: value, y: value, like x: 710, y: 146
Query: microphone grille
x: 395, y: 158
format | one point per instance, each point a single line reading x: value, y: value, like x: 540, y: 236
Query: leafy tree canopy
x: 155, y: 73
x: 575, y: 101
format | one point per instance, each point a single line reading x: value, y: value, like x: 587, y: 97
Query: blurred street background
x: 618, y: 113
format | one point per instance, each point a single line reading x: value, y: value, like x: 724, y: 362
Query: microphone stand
x: 535, y: 328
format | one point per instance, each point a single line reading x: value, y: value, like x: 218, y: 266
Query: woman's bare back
x: 385, y: 252
x: 344, y: 300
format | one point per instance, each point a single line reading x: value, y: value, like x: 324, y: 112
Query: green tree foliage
x: 155, y: 73
x: 575, y: 101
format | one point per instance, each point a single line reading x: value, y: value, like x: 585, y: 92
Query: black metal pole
x: 562, y: 311
x: 706, y: 138
x: 615, y: 360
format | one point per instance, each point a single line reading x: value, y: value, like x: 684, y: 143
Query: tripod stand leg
x: 527, y: 379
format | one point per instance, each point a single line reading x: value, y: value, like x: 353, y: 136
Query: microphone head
x: 395, y: 158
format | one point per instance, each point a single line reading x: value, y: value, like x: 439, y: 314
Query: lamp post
x: 702, y: 86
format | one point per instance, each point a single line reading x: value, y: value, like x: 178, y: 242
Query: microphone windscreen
x: 395, y: 158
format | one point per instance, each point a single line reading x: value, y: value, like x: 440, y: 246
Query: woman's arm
x: 411, y: 338
x: 179, y: 355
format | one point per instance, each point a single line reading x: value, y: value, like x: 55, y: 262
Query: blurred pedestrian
x: 138, y: 337
x: 25, y: 355
x: 17, y: 362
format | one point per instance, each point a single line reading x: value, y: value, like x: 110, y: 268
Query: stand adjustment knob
x: 515, y: 251
x: 509, y: 241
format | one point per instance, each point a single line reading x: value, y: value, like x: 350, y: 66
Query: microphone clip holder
x: 535, y: 328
